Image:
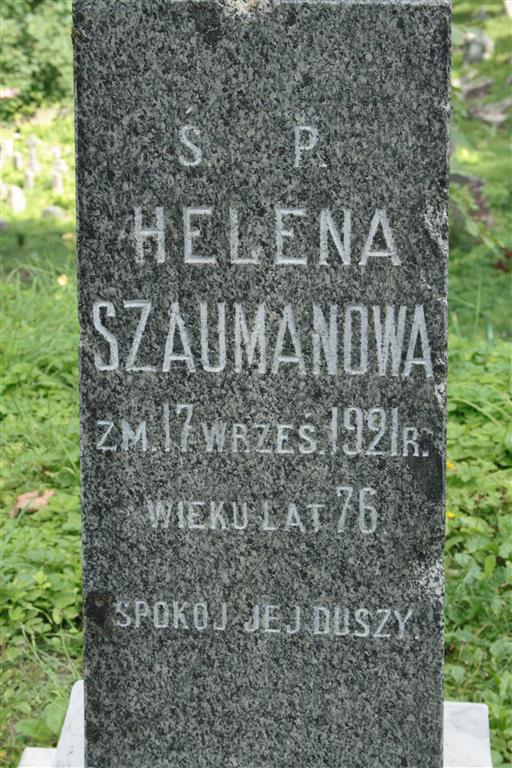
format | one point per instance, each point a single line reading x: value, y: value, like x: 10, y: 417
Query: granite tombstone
x: 262, y: 193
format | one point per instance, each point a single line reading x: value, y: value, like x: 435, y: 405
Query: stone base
x: 466, y: 737
x: 34, y: 757
x: 70, y: 749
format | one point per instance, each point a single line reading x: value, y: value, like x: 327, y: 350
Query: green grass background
x: 41, y: 589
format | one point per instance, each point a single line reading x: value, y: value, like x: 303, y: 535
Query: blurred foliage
x: 481, y: 190
x: 40, y: 616
x: 479, y: 534
x: 40, y: 588
x: 35, y: 54
x: 40, y: 585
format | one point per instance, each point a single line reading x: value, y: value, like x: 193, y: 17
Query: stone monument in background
x: 262, y: 209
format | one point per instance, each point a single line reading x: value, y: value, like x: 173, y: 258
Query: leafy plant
x: 479, y: 534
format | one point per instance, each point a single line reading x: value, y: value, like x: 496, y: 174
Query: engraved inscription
x: 350, y: 431
x: 356, y: 340
x: 353, y: 510
x: 332, y: 620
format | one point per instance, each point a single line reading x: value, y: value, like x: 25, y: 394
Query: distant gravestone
x: 54, y: 212
x: 57, y: 182
x: 59, y: 168
x: 29, y: 178
x: 16, y: 199
x: 17, y: 160
x: 7, y: 149
x: 262, y: 195
x: 33, y: 163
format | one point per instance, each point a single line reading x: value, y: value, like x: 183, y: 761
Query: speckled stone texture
x: 300, y: 623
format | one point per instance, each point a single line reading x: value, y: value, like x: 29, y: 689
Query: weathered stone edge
x: 254, y: 5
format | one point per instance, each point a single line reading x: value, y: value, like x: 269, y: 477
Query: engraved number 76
x: 367, y: 512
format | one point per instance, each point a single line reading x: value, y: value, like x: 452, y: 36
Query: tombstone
x: 16, y: 199
x: 7, y: 148
x: 17, y: 160
x: 54, y: 212
x: 477, y: 47
x: 56, y: 153
x: 57, y: 182
x: 33, y: 163
x: 61, y: 165
x: 262, y: 209
x: 59, y: 168
x: 29, y: 178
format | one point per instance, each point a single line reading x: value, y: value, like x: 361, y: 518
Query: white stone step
x: 33, y: 757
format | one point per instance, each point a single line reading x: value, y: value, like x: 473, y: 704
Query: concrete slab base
x: 467, y: 742
x: 38, y: 758
x: 466, y: 737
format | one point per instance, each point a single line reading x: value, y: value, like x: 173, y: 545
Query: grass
x: 41, y: 576
x: 41, y: 593
x: 479, y: 534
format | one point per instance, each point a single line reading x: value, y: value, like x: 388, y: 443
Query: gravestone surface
x: 262, y: 194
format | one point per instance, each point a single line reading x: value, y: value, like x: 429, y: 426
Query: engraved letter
x: 385, y: 618
x: 214, y: 435
x: 362, y: 619
x: 146, y: 309
x: 194, y: 517
x: 224, y: 619
x: 217, y: 516
x: 240, y: 524
x: 179, y: 617
x: 176, y: 322
x: 190, y: 234
x: 419, y: 328
x: 321, y: 627
x: 129, y: 436
x: 141, y: 610
x: 161, y: 615
x: 328, y: 227
x: 362, y: 365
x: 288, y: 324
x: 281, y: 233
x: 338, y: 629
x: 196, y: 151
x: 381, y: 218
x: 269, y: 617
x: 141, y: 235
x: 325, y: 340
x: 185, y: 430
x: 390, y: 339
x: 119, y: 609
x: 113, y: 362
x: 159, y: 513
x: 305, y: 146
x: 253, y: 624
x: 255, y: 339
x: 402, y: 622
x: 200, y: 615
x: 293, y: 630
x: 100, y: 445
x: 293, y: 519
x: 221, y: 333
x: 234, y: 241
